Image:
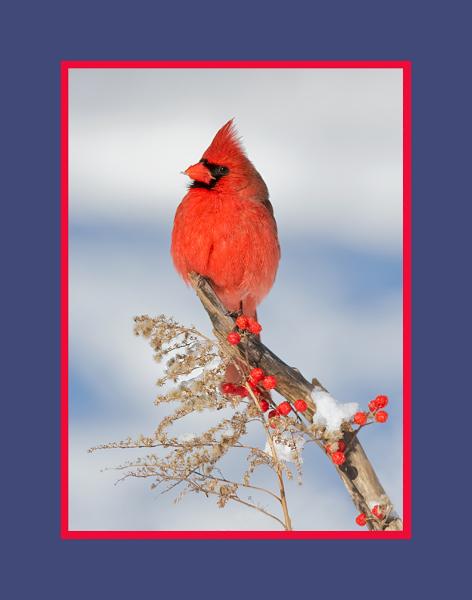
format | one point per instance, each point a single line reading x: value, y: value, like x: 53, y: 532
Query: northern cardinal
x: 224, y: 228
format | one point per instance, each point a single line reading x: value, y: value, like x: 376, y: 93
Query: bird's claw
x: 234, y: 314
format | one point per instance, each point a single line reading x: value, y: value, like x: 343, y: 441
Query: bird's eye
x: 222, y: 170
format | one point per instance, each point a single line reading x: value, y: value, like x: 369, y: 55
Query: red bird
x: 224, y: 228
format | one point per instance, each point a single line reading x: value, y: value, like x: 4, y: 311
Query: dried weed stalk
x: 194, y: 368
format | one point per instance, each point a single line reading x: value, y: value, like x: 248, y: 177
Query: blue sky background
x: 329, y: 146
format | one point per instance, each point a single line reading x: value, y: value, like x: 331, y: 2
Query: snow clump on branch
x: 329, y: 412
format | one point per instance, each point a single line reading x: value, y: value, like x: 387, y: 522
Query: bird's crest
x: 226, y: 147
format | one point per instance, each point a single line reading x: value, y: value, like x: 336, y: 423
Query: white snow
x: 186, y: 437
x: 329, y: 412
x: 187, y: 383
x: 286, y: 452
x: 227, y: 432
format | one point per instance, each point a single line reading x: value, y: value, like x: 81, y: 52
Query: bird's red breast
x: 224, y: 227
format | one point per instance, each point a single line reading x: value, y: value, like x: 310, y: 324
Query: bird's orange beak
x: 199, y: 172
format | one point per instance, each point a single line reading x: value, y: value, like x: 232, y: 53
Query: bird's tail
x: 233, y: 374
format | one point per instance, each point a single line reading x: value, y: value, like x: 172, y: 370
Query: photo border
x: 65, y: 532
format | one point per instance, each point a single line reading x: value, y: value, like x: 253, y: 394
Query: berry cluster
x: 377, y: 511
x: 260, y: 382
x: 374, y: 414
x: 282, y: 410
x: 336, y: 451
x: 243, y: 324
x: 258, y: 379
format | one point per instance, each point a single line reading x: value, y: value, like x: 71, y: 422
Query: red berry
x: 273, y: 423
x: 381, y: 416
x: 233, y: 338
x: 228, y: 388
x: 381, y: 401
x: 252, y: 385
x: 377, y: 512
x: 242, y: 322
x: 284, y: 408
x: 300, y: 405
x: 341, y: 445
x: 269, y: 382
x: 361, y: 520
x: 241, y: 391
x: 256, y: 375
x: 360, y: 418
x: 254, y: 326
x: 373, y: 405
x: 338, y: 458
x: 272, y: 414
x: 263, y: 405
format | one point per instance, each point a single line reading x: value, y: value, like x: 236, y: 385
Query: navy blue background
x: 35, y: 37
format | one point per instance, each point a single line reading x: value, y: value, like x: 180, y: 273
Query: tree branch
x: 356, y: 473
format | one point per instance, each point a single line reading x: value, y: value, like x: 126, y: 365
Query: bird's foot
x: 234, y: 314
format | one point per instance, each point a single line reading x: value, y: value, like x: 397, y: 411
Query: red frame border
x: 66, y: 533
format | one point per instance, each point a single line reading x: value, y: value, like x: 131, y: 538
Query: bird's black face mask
x: 216, y: 171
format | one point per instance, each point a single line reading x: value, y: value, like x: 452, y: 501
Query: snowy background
x: 328, y: 143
